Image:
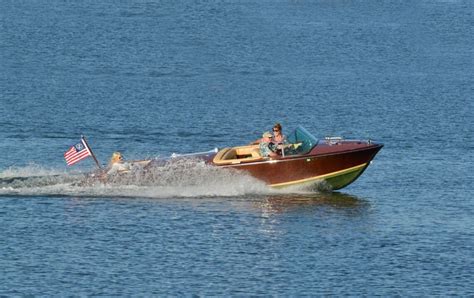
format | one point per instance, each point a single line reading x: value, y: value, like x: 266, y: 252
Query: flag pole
x: 90, y: 150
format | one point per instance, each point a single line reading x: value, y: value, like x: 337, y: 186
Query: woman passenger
x: 278, y: 136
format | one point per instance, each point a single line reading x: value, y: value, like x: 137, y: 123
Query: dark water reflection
x: 304, y: 202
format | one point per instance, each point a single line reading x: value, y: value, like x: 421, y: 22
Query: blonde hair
x: 116, y: 157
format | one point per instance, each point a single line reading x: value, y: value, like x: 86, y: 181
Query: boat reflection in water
x: 320, y: 200
x: 280, y: 214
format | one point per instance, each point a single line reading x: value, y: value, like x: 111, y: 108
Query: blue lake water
x: 149, y: 78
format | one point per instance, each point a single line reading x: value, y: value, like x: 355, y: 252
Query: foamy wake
x: 176, y: 178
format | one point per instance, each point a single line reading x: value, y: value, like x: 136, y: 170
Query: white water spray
x: 175, y: 178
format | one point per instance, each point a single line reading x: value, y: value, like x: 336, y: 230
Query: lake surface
x: 149, y: 78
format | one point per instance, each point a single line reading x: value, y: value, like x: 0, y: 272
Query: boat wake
x: 176, y: 178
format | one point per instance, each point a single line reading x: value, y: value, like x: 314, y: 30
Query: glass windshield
x: 302, y: 141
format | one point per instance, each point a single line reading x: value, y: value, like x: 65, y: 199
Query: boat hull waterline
x: 327, y: 166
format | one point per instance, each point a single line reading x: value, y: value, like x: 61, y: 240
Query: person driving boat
x: 266, y: 146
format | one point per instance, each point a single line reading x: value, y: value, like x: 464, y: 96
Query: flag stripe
x: 70, y: 153
x: 78, y: 156
x: 73, y: 160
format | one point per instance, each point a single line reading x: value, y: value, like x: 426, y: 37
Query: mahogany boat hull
x: 327, y: 165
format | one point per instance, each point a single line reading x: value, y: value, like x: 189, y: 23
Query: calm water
x: 150, y: 78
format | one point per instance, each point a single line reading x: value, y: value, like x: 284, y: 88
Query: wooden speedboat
x: 305, y: 160
x: 331, y: 163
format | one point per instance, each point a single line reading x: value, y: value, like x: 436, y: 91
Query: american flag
x: 77, y: 153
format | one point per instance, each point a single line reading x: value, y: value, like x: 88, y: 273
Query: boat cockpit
x: 299, y: 142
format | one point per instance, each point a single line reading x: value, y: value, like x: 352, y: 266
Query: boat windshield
x: 303, y: 141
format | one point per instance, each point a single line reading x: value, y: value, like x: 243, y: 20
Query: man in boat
x: 266, y: 146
